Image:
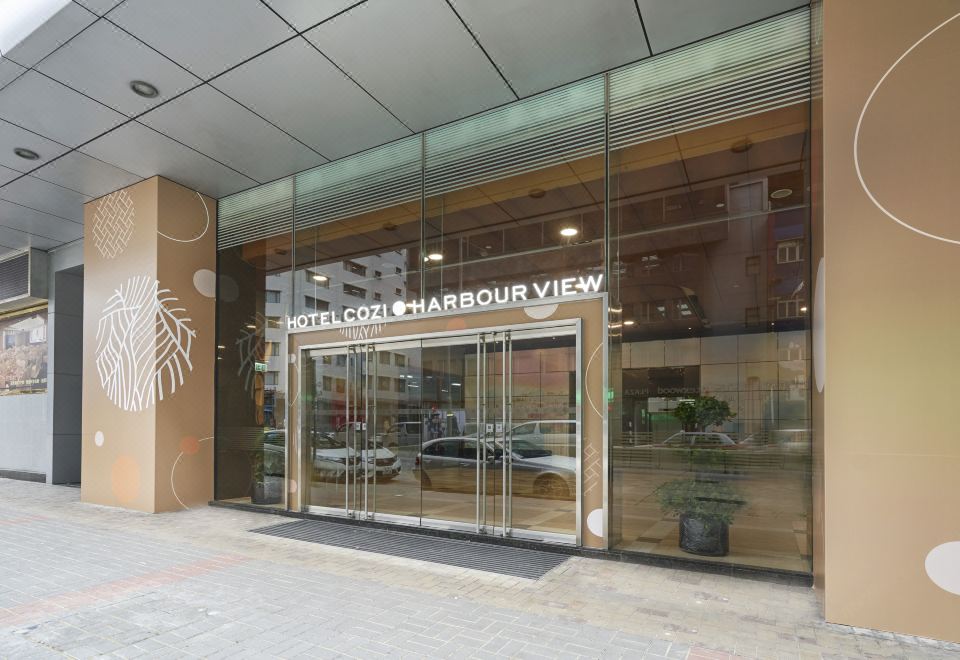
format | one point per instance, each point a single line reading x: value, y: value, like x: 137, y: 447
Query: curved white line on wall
x: 540, y: 312
x: 819, y: 327
x: 856, y: 141
x: 587, y: 371
x: 205, y: 228
x: 943, y: 566
x: 173, y: 488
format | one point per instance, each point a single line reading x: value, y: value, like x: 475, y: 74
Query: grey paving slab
x: 84, y: 581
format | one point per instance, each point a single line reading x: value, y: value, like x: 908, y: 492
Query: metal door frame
x: 451, y: 337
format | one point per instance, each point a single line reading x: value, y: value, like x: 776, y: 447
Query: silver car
x: 450, y: 464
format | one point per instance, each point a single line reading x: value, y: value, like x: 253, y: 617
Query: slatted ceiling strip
x: 531, y: 134
x: 255, y: 214
x: 370, y: 181
x: 758, y: 68
x: 755, y: 69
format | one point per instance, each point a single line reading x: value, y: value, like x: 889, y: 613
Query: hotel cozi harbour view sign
x: 514, y: 293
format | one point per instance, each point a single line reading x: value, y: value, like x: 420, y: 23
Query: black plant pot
x: 704, y: 536
x: 267, y: 492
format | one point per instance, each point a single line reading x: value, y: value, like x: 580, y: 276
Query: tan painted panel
x: 890, y: 449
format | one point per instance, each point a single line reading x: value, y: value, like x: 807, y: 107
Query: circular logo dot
x: 399, y: 308
x: 98, y: 438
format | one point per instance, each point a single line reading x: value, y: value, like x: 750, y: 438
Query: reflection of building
x: 23, y: 354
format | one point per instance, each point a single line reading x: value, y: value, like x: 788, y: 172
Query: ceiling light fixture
x: 320, y: 278
x: 28, y: 154
x: 569, y: 231
x: 741, y: 146
x: 435, y: 256
x: 537, y: 193
x: 629, y: 322
x: 781, y: 193
x: 251, y: 326
x: 144, y: 89
x: 803, y: 309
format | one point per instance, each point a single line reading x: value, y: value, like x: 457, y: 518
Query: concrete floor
x: 84, y: 581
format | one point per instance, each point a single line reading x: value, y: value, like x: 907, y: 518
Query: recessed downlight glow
x: 435, y: 256
x: 629, y: 322
x: 569, y: 231
x: 320, y: 278
x: 251, y: 326
x: 780, y: 193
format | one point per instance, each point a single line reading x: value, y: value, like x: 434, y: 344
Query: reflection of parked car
x: 699, y: 440
x: 332, y: 458
x: 274, y: 453
x: 403, y: 434
x: 451, y: 464
x: 557, y: 435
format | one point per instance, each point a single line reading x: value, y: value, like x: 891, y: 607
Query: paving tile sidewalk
x: 84, y: 581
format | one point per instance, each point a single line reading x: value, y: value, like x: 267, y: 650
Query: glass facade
x: 683, y: 180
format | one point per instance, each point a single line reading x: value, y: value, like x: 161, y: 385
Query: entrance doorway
x: 476, y: 432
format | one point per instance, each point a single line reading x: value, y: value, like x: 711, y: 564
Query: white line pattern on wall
x: 143, y: 344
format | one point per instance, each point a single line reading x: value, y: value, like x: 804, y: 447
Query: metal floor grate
x: 518, y: 562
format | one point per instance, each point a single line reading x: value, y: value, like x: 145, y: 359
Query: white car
x: 559, y: 436
x: 332, y: 458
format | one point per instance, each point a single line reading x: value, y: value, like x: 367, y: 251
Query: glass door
x: 474, y: 432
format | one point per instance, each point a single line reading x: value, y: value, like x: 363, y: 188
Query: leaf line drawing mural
x: 113, y: 224
x: 250, y: 350
x: 143, y: 344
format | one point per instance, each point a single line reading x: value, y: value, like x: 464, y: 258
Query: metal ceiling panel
x: 99, y: 7
x: 56, y: 31
x: 298, y: 89
x: 223, y: 129
x: 540, y: 44
x: 146, y: 152
x: 53, y: 229
x: 679, y: 22
x: 303, y: 14
x: 417, y: 58
x: 205, y: 36
x: 7, y: 175
x: 16, y: 240
x: 47, y: 197
x: 103, y: 60
x: 44, y: 106
x: 9, y: 71
x: 87, y: 175
x: 12, y: 136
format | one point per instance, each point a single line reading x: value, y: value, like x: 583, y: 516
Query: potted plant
x: 706, y: 505
x: 706, y: 508
x: 267, y: 489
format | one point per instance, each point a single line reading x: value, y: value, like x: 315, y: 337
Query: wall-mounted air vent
x: 23, y: 280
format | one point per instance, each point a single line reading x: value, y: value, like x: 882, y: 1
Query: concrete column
x: 149, y: 347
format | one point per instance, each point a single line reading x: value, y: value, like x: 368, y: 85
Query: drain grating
x: 518, y: 562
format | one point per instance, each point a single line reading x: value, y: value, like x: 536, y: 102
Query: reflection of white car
x: 557, y: 435
x: 332, y: 458
x: 699, y: 440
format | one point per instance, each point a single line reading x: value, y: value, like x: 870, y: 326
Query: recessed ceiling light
x: 803, y: 309
x: 781, y: 193
x: 741, y: 146
x: 29, y: 154
x: 251, y: 326
x: 144, y: 89
x: 629, y: 322
x: 537, y: 193
x: 320, y: 278
x: 389, y: 226
x: 569, y: 231
x: 435, y: 256
x: 720, y: 205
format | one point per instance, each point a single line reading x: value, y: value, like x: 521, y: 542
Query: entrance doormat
x: 518, y: 562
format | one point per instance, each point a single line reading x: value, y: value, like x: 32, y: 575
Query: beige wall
x: 148, y: 347
x: 891, y: 450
